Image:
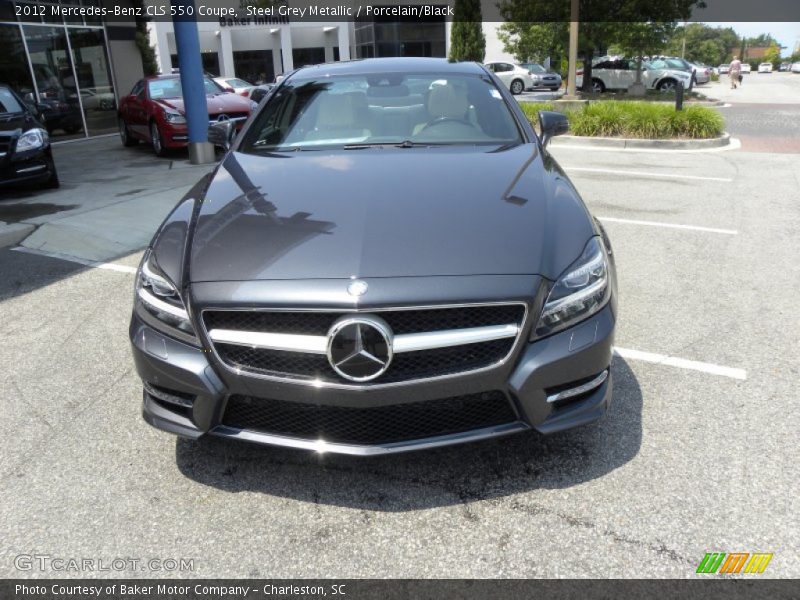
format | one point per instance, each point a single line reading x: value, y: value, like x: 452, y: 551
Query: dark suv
x: 386, y: 259
x: 25, y: 153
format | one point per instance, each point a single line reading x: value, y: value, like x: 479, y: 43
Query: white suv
x: 620, y: 73
x: 516, y: 78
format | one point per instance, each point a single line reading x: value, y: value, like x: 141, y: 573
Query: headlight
x: 580, y: 292
x: 159, y: 296
x: 32, y: 139
x: 174, y: 118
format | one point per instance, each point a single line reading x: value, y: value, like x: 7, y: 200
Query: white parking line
x: 681, y: 363
x: 75, y: 259
x: 648, y: 174
x: 670, y: 225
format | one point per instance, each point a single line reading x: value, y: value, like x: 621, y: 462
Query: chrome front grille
x: 428, y: 342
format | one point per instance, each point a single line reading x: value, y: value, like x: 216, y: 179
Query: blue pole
x: 191, y: 74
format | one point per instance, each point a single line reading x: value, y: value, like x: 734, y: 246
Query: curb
x: 12, y: 234
x: 603, y: 142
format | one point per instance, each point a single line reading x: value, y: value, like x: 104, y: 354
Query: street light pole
x: 573, y: 49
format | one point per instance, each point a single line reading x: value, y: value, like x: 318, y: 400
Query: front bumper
x: 177, y: 135
x: 186, y: 391
x: 28, y: 167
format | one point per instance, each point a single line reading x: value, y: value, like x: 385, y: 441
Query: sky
x: 787, y: 34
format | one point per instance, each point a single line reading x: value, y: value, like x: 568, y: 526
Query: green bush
x: 633, y: 119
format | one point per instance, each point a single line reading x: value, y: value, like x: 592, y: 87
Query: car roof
x: 390, y: 65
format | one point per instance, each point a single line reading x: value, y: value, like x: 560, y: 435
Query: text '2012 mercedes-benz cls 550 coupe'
x: 387, y: 258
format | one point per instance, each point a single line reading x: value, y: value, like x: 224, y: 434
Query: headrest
x: 447, y: 101
x: 336, y: 111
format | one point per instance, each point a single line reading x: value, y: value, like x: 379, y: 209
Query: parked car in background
x: 724, y: 69
x: 98, y: 99
x: 380, y: 271
x: 153, y: 112
x: 620, y: 73
x: 542, y: 78
x: 784, y: 67
x: 702, y: 74
x: 236, y: 85
x: 516, y: 78
x: 674, y: 63
x: 765, y: 67
x: 25, y: 154
x: 258, y: 92
x: 746, y: 68
x: 796, y: 67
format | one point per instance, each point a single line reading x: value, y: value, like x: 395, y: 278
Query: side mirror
x: 552, y: 124
x: 222, y: 134
x: 257, y: 94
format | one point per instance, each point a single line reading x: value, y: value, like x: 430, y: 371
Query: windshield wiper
x: 403, y: 144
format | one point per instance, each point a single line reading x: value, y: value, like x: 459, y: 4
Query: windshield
x: 668, y: 64
x: 377, y: 109
x: 171, y: 88
x: 535, y: 68
x: 238, y: 83
x: 8, y: 102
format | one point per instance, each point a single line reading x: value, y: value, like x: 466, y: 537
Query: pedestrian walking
x: 735, y: 72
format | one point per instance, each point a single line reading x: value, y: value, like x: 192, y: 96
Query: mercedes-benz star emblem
x: 360, y: 348
x: 223, y: 117
x: 357, y: 287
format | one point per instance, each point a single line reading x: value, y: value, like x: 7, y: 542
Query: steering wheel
x: 441, y: 120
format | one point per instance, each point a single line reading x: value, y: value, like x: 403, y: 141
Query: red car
x: 154, y: 112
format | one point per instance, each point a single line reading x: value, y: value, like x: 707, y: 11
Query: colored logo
x: 735, y: 562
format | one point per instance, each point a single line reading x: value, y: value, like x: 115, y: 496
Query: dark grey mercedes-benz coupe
x: 386, y: 259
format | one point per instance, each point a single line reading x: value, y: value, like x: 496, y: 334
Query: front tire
x: 517, y: 87
x: 125, y: 135
x: 53, y: 182
x: 598, y: 87
x: 668, y: 85
x: 157, y: 140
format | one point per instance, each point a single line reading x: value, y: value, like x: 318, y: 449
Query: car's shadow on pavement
x: 426, y: 479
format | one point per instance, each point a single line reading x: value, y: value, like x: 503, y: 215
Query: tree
x: 773, y: 54
x: 533, y: 42
x: 704, y: 44
x: 638, y: 39
x: 467, y: 41
x: 595, y: 31
x: 142, y: 40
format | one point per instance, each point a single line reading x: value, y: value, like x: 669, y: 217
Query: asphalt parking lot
x: 699, y: 451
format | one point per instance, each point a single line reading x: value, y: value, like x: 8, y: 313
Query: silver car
x: 542, y: 78
x: 702, y: 73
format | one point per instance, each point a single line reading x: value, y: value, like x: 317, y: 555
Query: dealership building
x: 258, y: 49
x: 73, y: 63
x: 76, y: 65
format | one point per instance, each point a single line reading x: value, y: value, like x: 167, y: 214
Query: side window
x: 138, y: 89
x: 507, y: 67
x: 491, y: 67
x: 606, y: 64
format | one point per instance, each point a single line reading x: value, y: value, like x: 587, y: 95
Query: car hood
x: 14, y: 124
x: 387, y: 213
x: 217, y: 103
